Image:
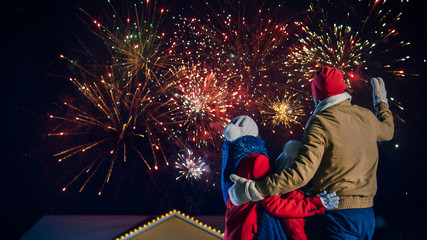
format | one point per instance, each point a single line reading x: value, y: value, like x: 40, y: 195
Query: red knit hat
x: 327, y: 82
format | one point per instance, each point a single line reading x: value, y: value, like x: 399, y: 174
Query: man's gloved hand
x: 243, y: 191
x: 329, y: 200
x: 379, y: 93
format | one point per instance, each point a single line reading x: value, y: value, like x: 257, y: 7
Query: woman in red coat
x: 245, y: 154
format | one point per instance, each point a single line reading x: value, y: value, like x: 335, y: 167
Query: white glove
x: 329, y: 200
x: 243, y: 191
x: 379, y: 93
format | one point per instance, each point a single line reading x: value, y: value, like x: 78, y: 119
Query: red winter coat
x: 241, y: 222
x: 293, y: 208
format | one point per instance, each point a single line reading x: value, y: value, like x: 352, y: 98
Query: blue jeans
x: 348, y: 224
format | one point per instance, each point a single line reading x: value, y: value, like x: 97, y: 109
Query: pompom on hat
x: 240, y: 126
x: 327, y: 82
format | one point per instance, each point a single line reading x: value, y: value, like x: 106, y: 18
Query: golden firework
x: 115, y: 116
x: 281, y: 111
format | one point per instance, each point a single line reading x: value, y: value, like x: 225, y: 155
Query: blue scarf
x: 232, y: 153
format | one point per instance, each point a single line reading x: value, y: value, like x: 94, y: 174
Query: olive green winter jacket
x: 339, y: 154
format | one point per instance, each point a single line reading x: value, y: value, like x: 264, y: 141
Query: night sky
x: 35, y: 33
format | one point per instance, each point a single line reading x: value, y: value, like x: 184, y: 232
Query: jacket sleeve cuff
x: 381, y: 105
x: 320, y: 209
x: 262, y: 188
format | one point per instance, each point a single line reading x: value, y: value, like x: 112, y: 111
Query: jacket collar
x: 330, y: 101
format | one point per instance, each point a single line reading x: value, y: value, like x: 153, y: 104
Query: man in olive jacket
x: 339, y: 154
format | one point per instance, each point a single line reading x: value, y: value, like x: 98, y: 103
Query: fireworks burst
x: 349, y: 41
x: 134, y: 38
x: 242, y: 38
x: 202, y: 100
x: 281, y: 111
x: 124, y: 110
x: 189, y: 166
x: 112, y: 118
